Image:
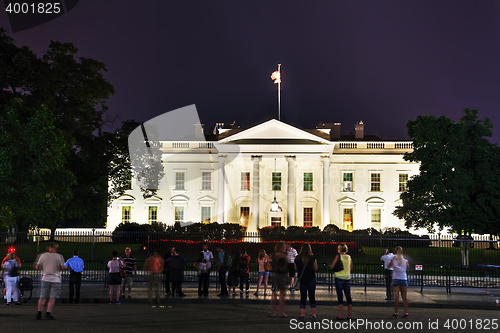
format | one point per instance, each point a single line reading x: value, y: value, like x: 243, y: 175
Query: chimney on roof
x: 359, y: 130
x: 335, y: 133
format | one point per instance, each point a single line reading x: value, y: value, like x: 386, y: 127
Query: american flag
x: 276, y: 76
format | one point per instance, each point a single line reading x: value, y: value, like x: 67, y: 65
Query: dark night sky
x: 383, y: 62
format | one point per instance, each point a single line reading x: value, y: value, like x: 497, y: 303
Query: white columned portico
x: 253, y: 223
x: 290, y: 188
x: 326, y: 191
x: 220, y: 188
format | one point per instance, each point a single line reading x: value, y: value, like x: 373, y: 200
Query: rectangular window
x: 376, y: 218
x: 245, y: 181
x: 347, y: 182
x: 308, y: 181
x: 244, y: 214
x: 179, y: 180
x: 128, y: 181
x: 179, y: 214
x: 375, y: 182
x: 126, y: 214
x: 206, y: 180
x: 348, y: 219
x: 276, y: 221
x: 276, y: 181
x: 206, y: 214
x: 403, y: 179
x: 153, y: 214
x: 308, y: 217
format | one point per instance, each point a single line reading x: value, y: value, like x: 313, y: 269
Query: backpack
x: 227, y: 260
x: 243, y: 264
x: 13, y: 270
x: 25, y: 283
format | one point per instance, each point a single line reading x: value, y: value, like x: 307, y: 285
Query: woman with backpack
x: 343, y: 281
x: 306, y: 266
x: 10, y: 277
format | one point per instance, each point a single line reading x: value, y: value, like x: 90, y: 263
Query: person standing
x: 202, y: 268
x: 154, y: 266
x: 306, y: 266
x: 222, y: 269
x: 209, y: 257
x: 176, y: 268
x: 399, y: 281
x: 263, y: 273
x: 114, y: 278
x: 51, y: 264
x: 387, y: 258
x: 166, y: 258
x: 130, y: 266
x: 291, y: 254
x: 343, y: 281
x: 10, y: 278
x: 10, y: 250
x: 75, y: 266
x: 244, y: 267
x: 279, y: 261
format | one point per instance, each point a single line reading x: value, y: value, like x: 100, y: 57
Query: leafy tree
x: 33, y: 177
x: 457, y: 186
x: 73, y: 93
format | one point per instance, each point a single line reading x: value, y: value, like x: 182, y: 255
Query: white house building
x: 317, y: 177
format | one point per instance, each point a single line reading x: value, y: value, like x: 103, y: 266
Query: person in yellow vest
x: 343, y: 281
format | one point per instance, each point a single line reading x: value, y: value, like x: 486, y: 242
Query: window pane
x: 206, y: 181
x: 244, y: 214
x: 348, y: 223
x: 153, y: 214
x: 276, y: 181
x: 347, y: 183
x: 126, y: 214
x: 179, y: 180
x: 347, y: 177
x: 403, y: 179
x: 245, y: 181
x: 308, y: 181
x: 179, y: 214
x: 205, y: 214
x: 375, y: 182
x: 308, y: 217
x: 276, y: 221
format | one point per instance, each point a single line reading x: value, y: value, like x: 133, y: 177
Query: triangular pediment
x: 274, y: 131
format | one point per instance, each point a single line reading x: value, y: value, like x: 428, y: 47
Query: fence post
x: 439, y: 248
x: 422, y: 280
x: 366, y: 272
x: 37, y: 241
x: 93, y: 233
x: 448, y: 279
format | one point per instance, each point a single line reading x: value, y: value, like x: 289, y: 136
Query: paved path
x: 460, y: 298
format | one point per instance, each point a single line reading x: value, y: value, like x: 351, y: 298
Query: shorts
x: 127, y: 281
x: 50, y: 290
x: 291, y: 269
x: 114, y: 279
x: 279, y: 282
x: 399, y: 283
x: 263, y: 273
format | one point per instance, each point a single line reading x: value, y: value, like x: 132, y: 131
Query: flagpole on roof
x: 276, y: 76
x: 279, y: 93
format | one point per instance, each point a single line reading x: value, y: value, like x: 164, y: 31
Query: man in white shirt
x: 209, y: 257
x: 291, y: 254
x: 51, y: 264
x: 387, y: 258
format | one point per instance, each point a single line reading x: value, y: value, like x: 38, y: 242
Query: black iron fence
x: 445, y: 260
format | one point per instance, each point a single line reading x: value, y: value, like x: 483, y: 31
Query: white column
x: 220, y: 189
x: 290, y: 188
x: 326, y: 191
x: 253, y: 223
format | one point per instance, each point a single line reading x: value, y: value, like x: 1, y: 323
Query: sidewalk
x: 460, y: 298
